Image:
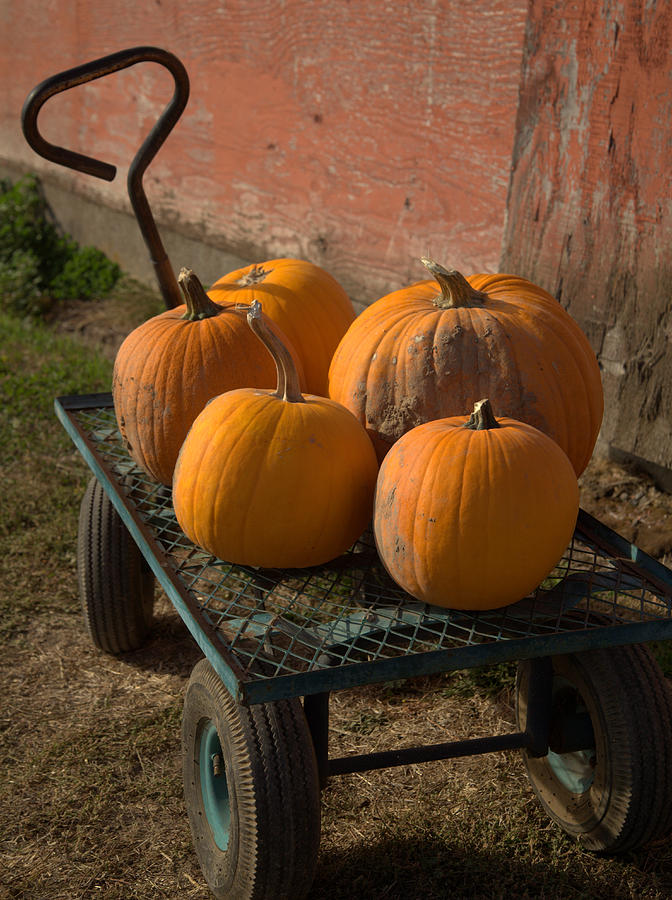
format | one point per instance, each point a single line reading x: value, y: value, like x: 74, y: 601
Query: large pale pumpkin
x: 168, y: 368
x: 433, y: 349
x: 275, y: 478
x: 473, y: 513
x: 307, y: 303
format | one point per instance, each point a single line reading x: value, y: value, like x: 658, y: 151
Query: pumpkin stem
x: 199, y: 305
x: 455, y: 289
x: 256, y: 274
x: 289, y: 387
x: 482, y: 417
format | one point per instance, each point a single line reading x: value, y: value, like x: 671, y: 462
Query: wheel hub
x: 214, y: 788
x: 573, y: 758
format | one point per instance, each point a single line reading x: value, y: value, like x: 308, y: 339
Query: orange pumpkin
x: 473, y: 513
x: 433, y: 349
x: 275, y: 478
x: 168, y: 368
x: 306, y: 302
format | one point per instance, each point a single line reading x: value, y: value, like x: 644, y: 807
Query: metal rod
x: 428, y: 753
x: 97, y: 168
x: 539, y: 705
x: 571, y: 732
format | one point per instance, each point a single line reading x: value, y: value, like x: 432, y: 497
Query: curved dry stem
x: 455, y: 289
x: 199, y: 305
x: 289, y: 386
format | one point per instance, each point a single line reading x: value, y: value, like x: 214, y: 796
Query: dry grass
x: 91, y: 803
x: 93, y: 796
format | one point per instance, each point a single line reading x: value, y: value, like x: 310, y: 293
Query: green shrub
x: 21, y: 283
x: 88, y: 273
x: 39, y: 264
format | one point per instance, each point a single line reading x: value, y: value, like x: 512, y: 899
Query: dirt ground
x: 104, y: 324
x: 629, y: 502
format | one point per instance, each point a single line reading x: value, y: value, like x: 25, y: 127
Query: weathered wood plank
x: 590, y: 211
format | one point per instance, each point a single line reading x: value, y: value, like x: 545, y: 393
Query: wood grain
x: 357, y: 135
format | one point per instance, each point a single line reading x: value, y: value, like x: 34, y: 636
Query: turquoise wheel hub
x: 214, y: 789
x: 576, y: 771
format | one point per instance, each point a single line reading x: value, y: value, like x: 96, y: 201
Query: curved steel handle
x: 90, y: 166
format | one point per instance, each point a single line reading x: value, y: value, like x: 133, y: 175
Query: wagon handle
x: 81, y: 163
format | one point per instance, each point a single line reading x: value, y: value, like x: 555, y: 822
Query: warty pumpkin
x: 168, y: 368
x: 433, y: 349
x: 474, y: 512
x: 275, y: 478
x: 308, y: 304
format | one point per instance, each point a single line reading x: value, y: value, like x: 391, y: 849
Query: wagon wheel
x: 251, y: 791
x: 116, y: 586
x: 613, y: 793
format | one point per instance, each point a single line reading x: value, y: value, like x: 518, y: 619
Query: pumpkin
x: 168, y: 368
x: 306, y: 302
x: 275, y: 478
x: 433, y: 349
x: 473, y: 513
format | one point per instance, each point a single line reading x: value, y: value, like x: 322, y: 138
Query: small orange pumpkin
x: 473, y: 513
x: 275, y: 478
x: 168, y: 368
x: 307, y: 303
x: 433, y: 349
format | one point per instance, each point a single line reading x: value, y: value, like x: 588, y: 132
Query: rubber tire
x: 273, y: 793
x: 116, y: 585
x: 629, y: 802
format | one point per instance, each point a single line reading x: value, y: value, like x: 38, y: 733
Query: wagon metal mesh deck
x: 273, y: 634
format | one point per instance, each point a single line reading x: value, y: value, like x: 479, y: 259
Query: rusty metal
x: 71, y: 159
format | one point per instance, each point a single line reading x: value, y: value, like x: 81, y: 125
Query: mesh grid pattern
x: 295, y: 621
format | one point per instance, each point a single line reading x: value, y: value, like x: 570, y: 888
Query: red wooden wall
x: 359, y: 135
